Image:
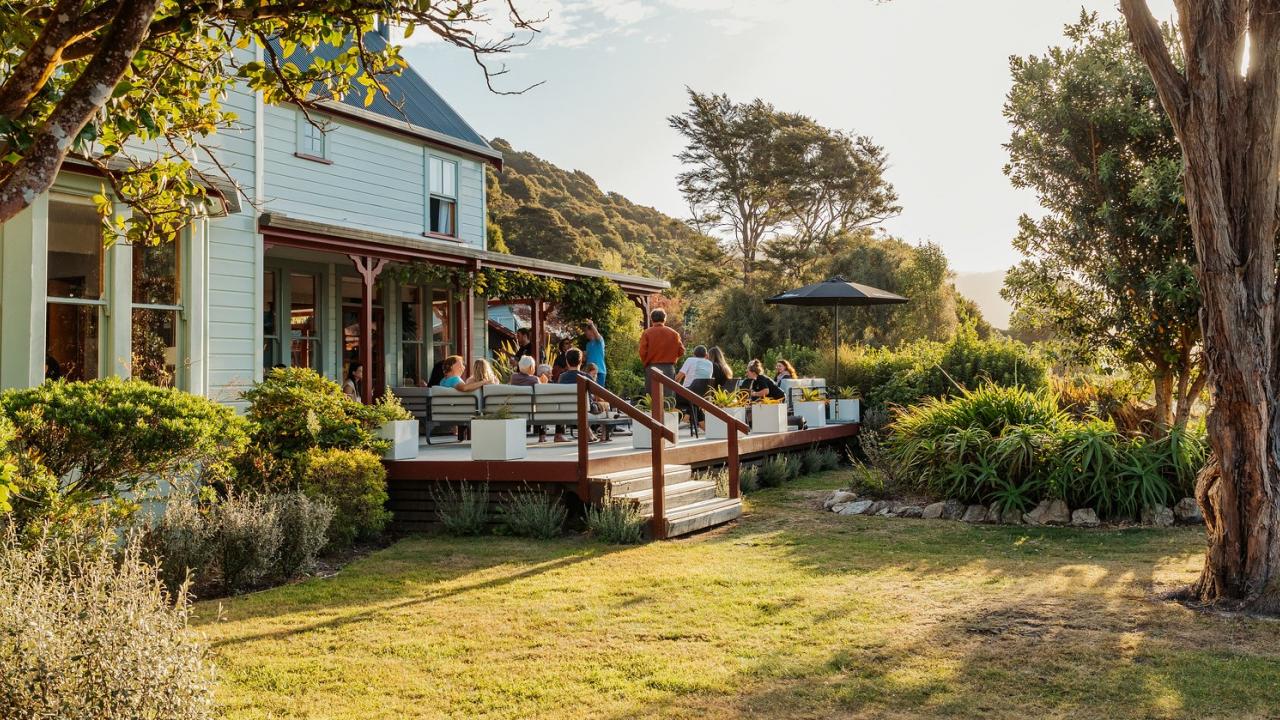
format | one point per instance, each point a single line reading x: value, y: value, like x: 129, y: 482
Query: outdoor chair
x: 451, y: 408
x: 557, y: 404
x: 516, y: 398
x: 698, y: 387
x: 417, y: 400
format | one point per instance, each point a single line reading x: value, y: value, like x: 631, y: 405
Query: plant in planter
x: 769, y: 416
x: 498, y: 434
x: 734, y: 402
x: 846, y: 404
x: 812, y: 407
x: 640, y: 436
x: 397, y: 426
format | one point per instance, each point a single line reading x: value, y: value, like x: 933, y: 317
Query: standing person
x: 559, y: 366
x: 595, y: 351
x: 355, y: 375
x: 524, y: 345
x: 697, y: 367
x: 660, y: 346
x: 721, y: 373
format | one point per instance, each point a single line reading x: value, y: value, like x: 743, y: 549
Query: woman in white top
x: 355, y: 376
x: 697, y: 367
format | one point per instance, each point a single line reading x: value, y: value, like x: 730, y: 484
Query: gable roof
x: 410, y: 103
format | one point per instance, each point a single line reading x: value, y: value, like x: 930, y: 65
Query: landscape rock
x: 1160, y: 516
x: 839, y: 497
x: 890, y: 509
x: 1049, y: 512
x: 993, y: 513
x: 1085, y: 517
x: 953, y: 510
x: 975, y: 514
x: 932, y: 511
x: 1188, y: 511
x: 876, y: 507
x: 857, y: 507
x: 910, y: 511
x: 1011, y: 516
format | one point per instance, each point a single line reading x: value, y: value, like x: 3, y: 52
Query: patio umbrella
x: 837, y: 293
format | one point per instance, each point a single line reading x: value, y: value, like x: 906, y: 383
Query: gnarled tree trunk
x: 1226, y: 122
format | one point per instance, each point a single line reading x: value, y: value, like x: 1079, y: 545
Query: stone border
x: 1048, y: 512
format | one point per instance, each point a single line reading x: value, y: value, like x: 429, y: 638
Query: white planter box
x: 846, y: 411
x: 718, y: 429
x: 641, y: 438
x: 768, y: 418
x: 403, y: 435
x: 813, y: 413
x: 499, y: 439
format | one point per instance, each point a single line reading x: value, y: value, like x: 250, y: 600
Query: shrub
x: 811, y: 461
x: 304, y: 524
x: 182, y: 541
x: 828, y: 459
x: 749, y: 479
x: 616, y: 522
x: 246, y: 536
x: 806, y: 360
x: 100, y: 445
x: 532, y: 513
x: 625, y: 382
x: 355, y: 483
x: 775, y: 471
x: 86, y: 634
x: 464, y: 511
x: 295, y: 410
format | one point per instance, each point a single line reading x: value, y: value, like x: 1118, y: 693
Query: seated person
x: 437, y: 374
x: 761, y: 386
x: 544, y: 373
x: 721, y: 373
x: 560, y: 364
x: 481, y: 374
x: 784, y: 370
x: 523, y: 374
x: 573, y: 368
x: 597, y: 406
x: 697, y: 367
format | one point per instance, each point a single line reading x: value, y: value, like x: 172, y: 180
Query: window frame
x: 101, y: 302
x: 303, y: 148
x: 178, y: 308
x: 447, y: 167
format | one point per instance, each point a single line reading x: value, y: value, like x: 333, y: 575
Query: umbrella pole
x: 835, y: 350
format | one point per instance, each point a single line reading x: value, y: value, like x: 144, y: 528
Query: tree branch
x: 40, y: 60
x: 1171, y: 85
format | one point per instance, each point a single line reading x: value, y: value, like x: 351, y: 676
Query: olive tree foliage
x: 1111, y: 262
x: 84, y: 77
x: 756, y: 173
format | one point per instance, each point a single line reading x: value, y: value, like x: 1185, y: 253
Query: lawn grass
x: 791, y: 612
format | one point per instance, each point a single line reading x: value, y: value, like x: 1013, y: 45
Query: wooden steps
x: 690, y: 505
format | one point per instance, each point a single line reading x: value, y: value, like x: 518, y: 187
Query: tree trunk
x: 1163, y: 380
x: 1226, y: 124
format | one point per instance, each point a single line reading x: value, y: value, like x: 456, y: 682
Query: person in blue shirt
x: 595, y: 351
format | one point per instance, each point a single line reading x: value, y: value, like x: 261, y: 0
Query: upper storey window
x: 442, y: 204
x: 312, y: 142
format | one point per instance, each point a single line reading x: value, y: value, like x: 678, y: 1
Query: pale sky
x: 925, y: 78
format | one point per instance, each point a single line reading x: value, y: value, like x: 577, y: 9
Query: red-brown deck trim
x: 566, y: 471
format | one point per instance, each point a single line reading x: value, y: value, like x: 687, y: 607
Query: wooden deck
x: 558, y: 462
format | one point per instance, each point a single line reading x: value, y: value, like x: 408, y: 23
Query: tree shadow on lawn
x: 986, y: 621
x: 415, y: 571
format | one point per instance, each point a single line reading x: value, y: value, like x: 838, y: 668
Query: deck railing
x: 659, y: 380
x: 657, y: 430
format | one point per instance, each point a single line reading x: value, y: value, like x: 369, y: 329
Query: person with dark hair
x: 355, y: 376
x: 721, y: 372
x: 559, y: 366
x: 52, y: 370
x: 762, y: 386
x: 524, y: 346
x: 573, y: 368
x: 660, y: 346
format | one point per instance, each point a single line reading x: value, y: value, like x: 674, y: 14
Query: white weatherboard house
x: 294, y: 277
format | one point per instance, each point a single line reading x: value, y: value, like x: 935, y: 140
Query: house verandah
x: 331, y: 296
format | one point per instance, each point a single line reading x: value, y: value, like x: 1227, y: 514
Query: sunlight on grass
x: 790, y: 612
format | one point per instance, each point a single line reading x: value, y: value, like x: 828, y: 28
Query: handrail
x: 735, y: 425
x: 657, y: 430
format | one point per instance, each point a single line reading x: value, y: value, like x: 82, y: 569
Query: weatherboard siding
x: 373, y: 180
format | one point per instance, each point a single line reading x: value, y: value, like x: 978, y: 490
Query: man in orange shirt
x: 660, y: 346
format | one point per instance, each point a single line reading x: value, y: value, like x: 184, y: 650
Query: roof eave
x: 483, y: 152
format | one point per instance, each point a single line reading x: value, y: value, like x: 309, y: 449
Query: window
x: 312, y: 141
x: 443, y: 201
x: 412, y: 335
x: 73, y: 318
x: 270, y: 331
x: 304, y: 334
x: 442, y: 331
x: 156, y: 313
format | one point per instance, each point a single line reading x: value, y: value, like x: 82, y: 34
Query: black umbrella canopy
x: 836, y: 292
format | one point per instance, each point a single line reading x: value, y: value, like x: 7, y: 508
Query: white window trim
x: 303, y: 145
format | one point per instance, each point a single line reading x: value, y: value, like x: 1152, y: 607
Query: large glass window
x: 270, y: 330
x: 304, y: 332
x: 156, y: 313
x: 412, y: 335
x: 74, y: 288
x: 443, y: 337
x: 443, y: 200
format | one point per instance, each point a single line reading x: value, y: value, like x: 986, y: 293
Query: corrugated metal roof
x: 419, y: 103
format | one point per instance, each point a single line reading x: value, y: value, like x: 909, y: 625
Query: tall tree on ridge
x: 1223, y: 101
